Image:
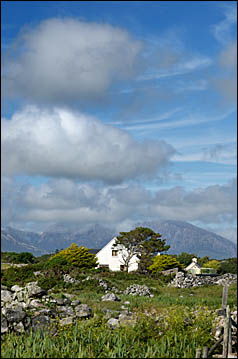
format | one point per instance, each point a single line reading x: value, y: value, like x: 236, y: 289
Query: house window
x: 122, y: 267
x: 114, y: 253
x: 104, y: 266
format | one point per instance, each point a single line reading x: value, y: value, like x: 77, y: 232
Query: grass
x: 167, y: 325
x: 93, y: 339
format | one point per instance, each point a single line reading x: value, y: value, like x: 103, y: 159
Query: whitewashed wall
x: 105, y: 257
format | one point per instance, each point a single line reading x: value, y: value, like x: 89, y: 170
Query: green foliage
x: 141, y: 242
x: 13, y: 257
x: 163, y: 262
x: 76, y: 256
x: 228, y: 266
x: 184, y: 258
x: 20, y: 276
x: 174, y: 337
x: 212, y: 264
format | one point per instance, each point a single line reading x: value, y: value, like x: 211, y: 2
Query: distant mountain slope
x: 181, y: 236
x: 185, y: 237
x: 13, y: 242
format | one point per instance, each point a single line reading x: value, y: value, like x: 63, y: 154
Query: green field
x: 172, y: 324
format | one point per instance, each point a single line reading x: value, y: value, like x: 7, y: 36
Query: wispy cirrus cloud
x: 222, y: 31
x: 181, y: 68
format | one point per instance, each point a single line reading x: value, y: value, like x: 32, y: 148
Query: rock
x: 63, y: 301
x: 6, y: 296
x: 33, y: 290
x: 103, y: 284
x: 43, y: 323
x: 113, y: 323
x: 185, y: 280
x: 69, y: 279
x: 14, y: 315
x: 19, y: 327
x: 66, y: 321
x: 4, y: 326
x: 83, y: 311
x: 136, y: 289
x: 110, y: 297
x: 34, y: 303
x: 16, y: 288
x: 75, y: 302
x: 65, y: 311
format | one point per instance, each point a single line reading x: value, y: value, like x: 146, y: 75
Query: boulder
x: 83, y: 311
x: 110, y: 297
x: 136, y: 289
x: 14, y: 315
x: 33, y: 290
x: 113, y: 323
x: 6, y: 296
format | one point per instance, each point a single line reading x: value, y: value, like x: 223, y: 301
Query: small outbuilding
x: 194, y: 267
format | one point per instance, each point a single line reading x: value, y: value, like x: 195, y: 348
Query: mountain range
x: 181, y: 236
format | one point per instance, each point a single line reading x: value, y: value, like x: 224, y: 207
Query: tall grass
x: 173, y: 338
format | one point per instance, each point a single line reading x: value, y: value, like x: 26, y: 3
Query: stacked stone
x: 188, y: 280
x: 28, y: 307
x: 136, y: 289
x: 69, y: 279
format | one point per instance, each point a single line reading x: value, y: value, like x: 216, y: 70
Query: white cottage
x: 194, y: 267
x: 112, y: 258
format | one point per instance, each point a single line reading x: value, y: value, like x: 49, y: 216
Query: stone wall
x: 184, y: 280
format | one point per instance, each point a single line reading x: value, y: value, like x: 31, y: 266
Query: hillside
x: 181, y: 236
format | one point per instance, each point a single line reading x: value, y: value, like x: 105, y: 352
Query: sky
x: 119, y: 112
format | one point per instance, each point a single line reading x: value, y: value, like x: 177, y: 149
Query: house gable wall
x: 105, y: 257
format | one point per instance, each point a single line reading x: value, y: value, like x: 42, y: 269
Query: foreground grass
x: 172, y: 324
x: 175, y: 338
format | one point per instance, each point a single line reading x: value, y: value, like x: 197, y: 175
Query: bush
x: 228, y: 266
x: 163, y: 262
x: 79, y: 257
x: 212, y: 264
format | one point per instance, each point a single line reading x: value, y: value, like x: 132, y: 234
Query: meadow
x: 172, y: 324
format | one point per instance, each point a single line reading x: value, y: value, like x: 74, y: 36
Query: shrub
x: 79, y: 257
x: 228, y: 266
x: 212, y: 264
x: 163, y: 262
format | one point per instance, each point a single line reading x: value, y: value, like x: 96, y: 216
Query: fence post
x: 224, y: 296
x: 205, y: 352
x: 176, y: 278
x: 226, y: 333
x: 229, y: 331
x: 198, y: 353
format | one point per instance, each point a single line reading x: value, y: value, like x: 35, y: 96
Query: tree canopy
x: 164, y: 262
x: 141, y: 242
x: 77, y: 256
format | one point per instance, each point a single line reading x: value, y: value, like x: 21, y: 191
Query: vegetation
x: 141, y: 242
x: 172, y: 324
x: 13, y: 257
x: 76, y: 256
x: 212, y: 264
x: 228, y: 266
x: 93, y: 339
x: 163, y: 262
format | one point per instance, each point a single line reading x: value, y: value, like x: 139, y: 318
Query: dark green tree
x: 142, y: 243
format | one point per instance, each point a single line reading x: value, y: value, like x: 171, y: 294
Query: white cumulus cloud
x: 63, y: 143
x: 67, y: 60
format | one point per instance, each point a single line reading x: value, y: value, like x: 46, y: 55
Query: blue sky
x: 117, y: 112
